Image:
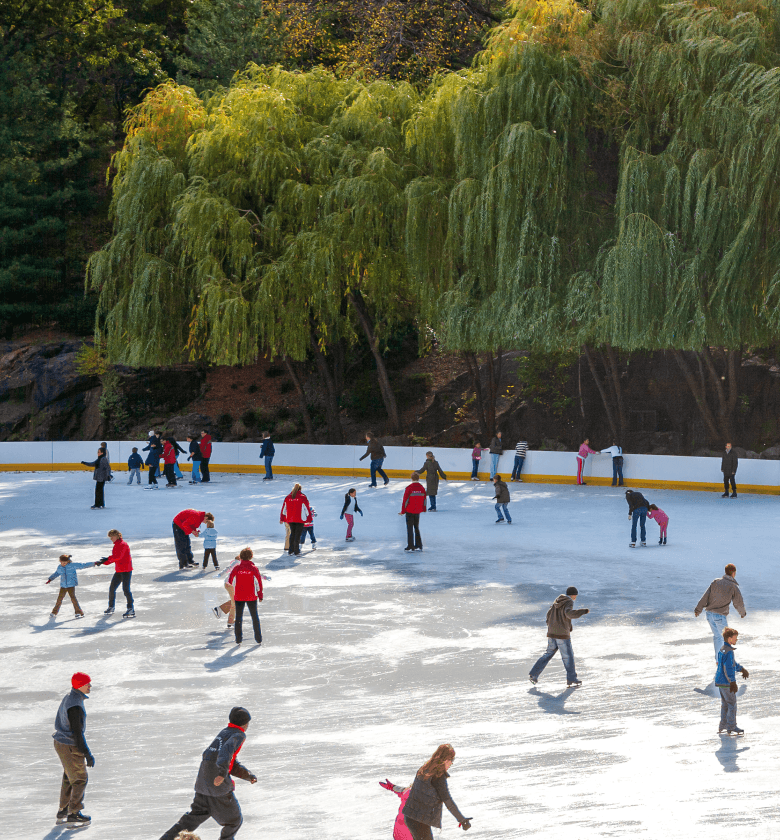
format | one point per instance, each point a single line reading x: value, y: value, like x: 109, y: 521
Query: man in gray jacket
x: 715, y: 602
x: 559, y: 628
x: 214, y: 796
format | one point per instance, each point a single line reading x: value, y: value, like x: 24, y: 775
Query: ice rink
x: 372, y: 656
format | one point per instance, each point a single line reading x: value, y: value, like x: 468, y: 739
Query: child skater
x: 400, y: 831
x: 123, y: 573
x: 726, y: 681
x: 349, y: 497
x: 135, y: 463
x: 68, y: 583
x: 209, y: 543
x: 662, y: 519
x: 308, y: 528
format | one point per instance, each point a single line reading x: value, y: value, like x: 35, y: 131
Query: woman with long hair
x: 429, y: 792
x: 292, y: 516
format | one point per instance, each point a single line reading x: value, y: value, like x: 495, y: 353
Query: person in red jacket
x: 293, y: 515
x: 413, y: 505
x: 205, y: 451
x: 169, y: 459
x: 248, y: 588
x: 123, y: 572
x: 187, y: 522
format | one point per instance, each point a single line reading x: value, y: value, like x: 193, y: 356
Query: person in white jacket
x: 229, y: 607
x: 617, y: 462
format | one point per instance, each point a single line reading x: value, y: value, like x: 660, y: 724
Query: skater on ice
x: 476, y: 457
x: 123, y: 573
x: 350, y: 498
x: 214, y: 789
x: 101, y: 473
x: 423, y: 808
x: 193, y: 445
x: 72, y: 750
x: 728, y: 466
x: 205, y: 451
x: 501, y: 499
x: 135, y: 463
x: 720, y: 595
x: 377, y: 452
x: 638, y: 507
x: 155, y: 449
x: 248, y: 590
x: 496, y: 449
x: 400, y: 831
x: 292, y: 516
x: 66, y: 572
x: 559, y: 628
x: 432, y: 472
x: 267, y: 452
x: 726, y: 681
x: 655, y: 513
x: 185, y: 524
x: 210, y: 543
x: 308, y: 528
x: 412, y: 506
x: 228, y: 608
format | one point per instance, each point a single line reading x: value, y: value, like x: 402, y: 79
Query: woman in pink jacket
x: 400, y: 831
x: 585, y: 450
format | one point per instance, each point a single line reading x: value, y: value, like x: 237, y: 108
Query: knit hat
x: 239, y: 716
x: 80, y: 679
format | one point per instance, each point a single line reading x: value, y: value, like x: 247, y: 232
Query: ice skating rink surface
x: 372, y: 656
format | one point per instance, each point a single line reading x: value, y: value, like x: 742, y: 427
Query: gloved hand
x: 466, y: 824
x: 252, y: 780
x: 360, y: 512
x: 745, y: 674
x: 342, y: 516
x: 587, y: 611
x: 48, y: 581
x: 697, y: 613
x: 387, y: 784
x: 733, y: 687
x: 90, y: 760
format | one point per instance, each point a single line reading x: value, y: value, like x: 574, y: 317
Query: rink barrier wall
x: 540, y: 467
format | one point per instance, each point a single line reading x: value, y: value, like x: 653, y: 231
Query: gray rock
x: 553, y: 445
x: 185, y: 424
x: 771, y: 454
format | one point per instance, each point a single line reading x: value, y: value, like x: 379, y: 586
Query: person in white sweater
x: 617, y: 462
x: 520, y: 452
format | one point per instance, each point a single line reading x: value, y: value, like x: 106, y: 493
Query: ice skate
x: 109, y: 611
x: 643, y: 544
x: 736, y: 731
x: 632, y: 545
x: 78, y: 820
x: 573, y: 683
x: 534, y: 680
x: 129, y: 614
x: 62, y: 816
x: 215, y: 610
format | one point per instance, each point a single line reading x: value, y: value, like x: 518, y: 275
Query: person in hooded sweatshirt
x: 214, y: 789
x: 559, y: 628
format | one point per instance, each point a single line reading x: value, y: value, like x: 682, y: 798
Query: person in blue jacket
x: 135, y: 463
x: 726, y: 681
x: 66, y: 571
x: 155, y: 450
x: 267, y: 452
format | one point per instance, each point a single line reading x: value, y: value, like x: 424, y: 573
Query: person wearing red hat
x: 214, y: 789
x: 73, y: 752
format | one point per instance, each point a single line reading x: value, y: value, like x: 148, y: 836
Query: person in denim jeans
x: 520, y: 452
x: 726, y: 681
x: 496, y: 450
x: 196, y: 457
x: 720, y: 594
x: 267, y: 452
x: 637, y: 510
x: 377, y: 452
x: 559, y: 628
x: 502, y: 499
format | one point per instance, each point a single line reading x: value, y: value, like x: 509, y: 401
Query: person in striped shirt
x: 520, y: 452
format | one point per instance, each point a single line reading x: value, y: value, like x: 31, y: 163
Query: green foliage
x: 544, y: 377
x: 91, y: 360
x: 112, y: 404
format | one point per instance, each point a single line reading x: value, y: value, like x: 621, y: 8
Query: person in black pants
x: 728, y: 466
x: 247, y: 590
x: 100, y: 475
x: 153, y: 458
x: 429, y: 792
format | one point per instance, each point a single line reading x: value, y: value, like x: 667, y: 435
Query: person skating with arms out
x: 350, y: 498
x: 412, y: 506
x: 72, y: 750
x: 501, y: 499
x: 69, y: 580
x: 400, y: 830
x: 377, y: 452
x: 559, y: 628
x: 726, y: 681
x: 214, y: 789
x: 715, y: 602
x: 123, y: 573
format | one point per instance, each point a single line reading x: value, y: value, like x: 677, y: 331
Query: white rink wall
x: 301, y: 459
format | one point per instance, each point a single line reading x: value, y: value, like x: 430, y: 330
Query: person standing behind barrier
x: 194, y: 456
x: 154, y: 447
x: 583, y: 453
x: 267, y: 452
x: 123, y: 573
x: 72, y: 750
x: 496, y: 451
x: 135, y: 463
x: 292, y: 514
x: 616, y: 452
x: 476, y: 456
x: 185, y: 523
x: 100, y: 475
x: 432, y: 472
x: 429, y: 792
x: 412, y: 506
x: 728, y: 466
x: 377, y: 452
x: 205, y: 451
x: 715, y: 602
x: 637, y: 511
x: 521, y: 449
x: 349, y: 497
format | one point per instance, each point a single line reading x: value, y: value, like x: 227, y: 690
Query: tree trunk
x: 727, y: 403
x: 290, y: 365
x: 699, y: 395
x: 476, y: 380
x: 335, y: 431
x: 602, y: 392
x: 494, y: 382
x: 618, y: 391
x: 388, y: 397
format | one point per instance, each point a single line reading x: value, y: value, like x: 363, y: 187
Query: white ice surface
x: 372, y: 657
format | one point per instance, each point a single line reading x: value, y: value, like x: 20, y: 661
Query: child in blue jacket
x: 66, y: 571
x: 726, y: 681
x: 209, y: 543
x: 135, y: 464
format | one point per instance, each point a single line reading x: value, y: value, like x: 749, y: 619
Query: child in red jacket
x: 413, y: 505
x: 123, y: 572
x: 248, y: 590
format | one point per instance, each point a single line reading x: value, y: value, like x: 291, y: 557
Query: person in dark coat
x: 496, y: 450
x: 71, y: 747
x: 637, y: 510
x: 432, y: 472
x: 100, y: 475
x: 214, y: 789
x: 155, y: 450
x: 559, y: 628
x: 377, y: 452
x: 728, y: 466
x: 429, y: 793
x: 267, y: 452
x: 205, y: 451
x: 196, y: 457
x: 502, y: 499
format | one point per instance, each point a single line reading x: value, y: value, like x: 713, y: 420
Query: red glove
x: 48, y: 581
x: 387, y: 784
